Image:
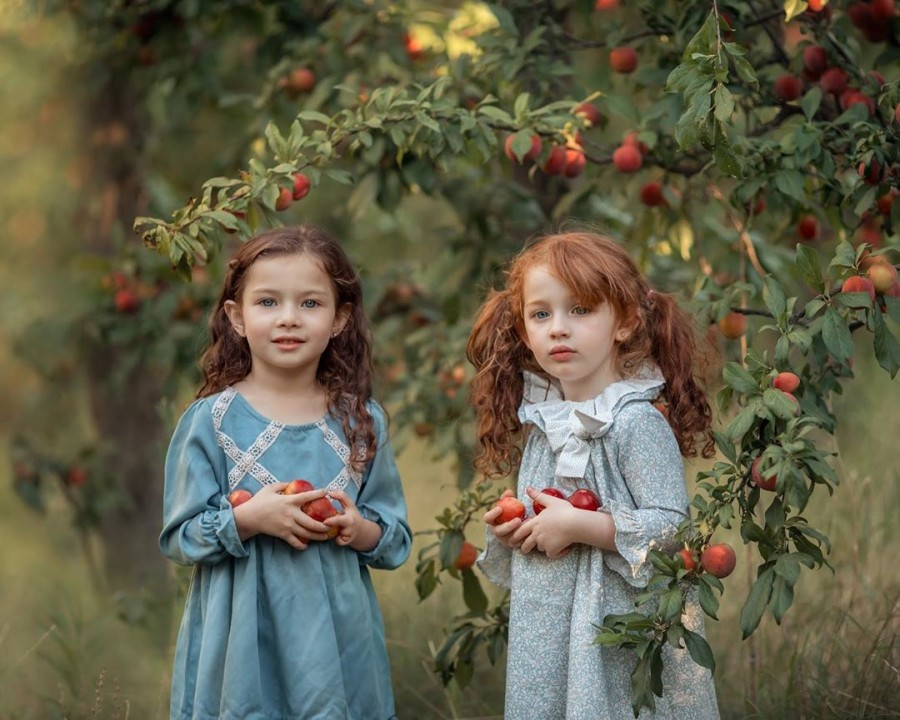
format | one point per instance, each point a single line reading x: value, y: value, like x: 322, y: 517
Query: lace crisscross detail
x: 247, y: 462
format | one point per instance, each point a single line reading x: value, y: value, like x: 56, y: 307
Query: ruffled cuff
x: 632, y: 545
x: 222, y: 525
x: 392, y: 548
x: 495, y: 561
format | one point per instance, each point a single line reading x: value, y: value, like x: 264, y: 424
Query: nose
x: 559, y: 327
x: 289, y: 316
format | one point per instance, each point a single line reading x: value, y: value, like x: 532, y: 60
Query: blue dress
x: 270, y: 632
x: 621, y: 447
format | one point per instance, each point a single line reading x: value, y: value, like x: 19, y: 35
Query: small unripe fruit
x: 623, y: 59
x: 788, y: 87
x: 718, y: 560
x: 733, y: 325
x: 627, y: 158
x: 786, y: 381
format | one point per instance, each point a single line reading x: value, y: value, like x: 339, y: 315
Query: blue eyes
x: 544, y: 314
x: 309, y: 304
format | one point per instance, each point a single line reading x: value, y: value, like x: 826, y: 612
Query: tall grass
x: 67, y: 651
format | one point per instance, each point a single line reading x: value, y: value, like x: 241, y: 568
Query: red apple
x: 886, y: 201
x: 858, y: 283
x: 321, y: 509
x: 529, y: 156
x: 239, y: 497
x: 833, y: 80
x: 816, y: 5
x: 590, y: 113
x: 815, y: 60
x: 76, y: 476
x: 787, y: 381
x: 793, y: 399
x: 764, y: 483
x: 553, y: 492
x: 851, y: 97
x: 897, y: 113
x: 808, y: 227
x: 299, y: 80
x: 631, y: 138
x: 733, y: 324
x: 687, y: 559
x: 627, y: 158
x: 575, y: 162
x: 511, y: 508
x: 606, y: 5
x: 883, y: 276
x: 468, y: 553
x: 623, y: 59
x: 126, y: 301
x: 652, y: 194
x: 556, y: 162
x: 295, y: 487
x: 414, y: 49
x: 585, y: 499
x: 883, y: 10
x: 788, y: 87
x: 718, y: 560
x: 301, y: 186
x: 285, y: 199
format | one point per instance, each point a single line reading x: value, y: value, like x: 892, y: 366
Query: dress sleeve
x: 198, y: 522
x: 381, y: 500
x: 495, y: 561
x: 647, y: 457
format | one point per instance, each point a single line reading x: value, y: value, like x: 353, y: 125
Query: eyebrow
x: 269, y: 291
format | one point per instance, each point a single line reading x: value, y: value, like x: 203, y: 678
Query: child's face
x: 287, y: 312
x: 573, y: 343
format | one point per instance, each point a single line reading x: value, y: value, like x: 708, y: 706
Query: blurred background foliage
x: 124, y: 109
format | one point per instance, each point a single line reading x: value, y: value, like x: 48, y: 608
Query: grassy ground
x: 66, y: 652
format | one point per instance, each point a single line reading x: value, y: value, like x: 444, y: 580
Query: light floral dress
x: 622, y: 448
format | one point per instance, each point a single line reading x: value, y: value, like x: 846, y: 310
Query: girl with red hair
x: 573, y: 359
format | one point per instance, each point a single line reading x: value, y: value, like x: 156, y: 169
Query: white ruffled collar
x: 570, y: 426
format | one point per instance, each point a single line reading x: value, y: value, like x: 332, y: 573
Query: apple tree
x: 747, y: 153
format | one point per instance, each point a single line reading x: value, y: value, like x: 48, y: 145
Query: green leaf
x: 738, y: 378
x: 887, y: 350
x: 670, y: 604
x: 756, y: 603
x: 724, y: 103
x: 810, y: 270
x: 708, y: 601
x: 774, y: 298
x: 811, y: 102
x: 473, y: 594
x: 836, y: 336
x: 699, y: 649
x: 782, y: 597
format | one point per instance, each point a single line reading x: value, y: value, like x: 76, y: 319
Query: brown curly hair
x: 595, y: 268
x: 345, y: 368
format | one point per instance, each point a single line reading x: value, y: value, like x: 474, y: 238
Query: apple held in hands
x: 585, y: 499
x: 319, y: 509
x: 510, y: 509
x: 239, y: 497
x: 553, y: 492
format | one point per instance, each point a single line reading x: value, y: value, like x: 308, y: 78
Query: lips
x: 561, y: 351
x: 287, y: 341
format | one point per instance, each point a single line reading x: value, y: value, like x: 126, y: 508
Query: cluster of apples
x: 718, y: 559
x: 319, y: 509
x: 298, y: 191
x: 512, y: 508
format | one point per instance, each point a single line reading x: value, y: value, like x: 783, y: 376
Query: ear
x: 233, y: 311
x: 341, y: 317
x: 624, y: 331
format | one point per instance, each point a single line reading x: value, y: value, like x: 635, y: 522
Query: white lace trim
x: 247, y: 463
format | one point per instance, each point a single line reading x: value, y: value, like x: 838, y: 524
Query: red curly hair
x: 595, y: 269
x: 345, y: 369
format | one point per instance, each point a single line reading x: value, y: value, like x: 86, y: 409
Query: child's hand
x: 550, y: 531
x: 504, y: 531
x: 353, y: 529
x: 269, y: 512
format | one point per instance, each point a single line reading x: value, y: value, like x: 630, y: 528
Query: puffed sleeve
x: 495, y: 561
x: 198, y: 522
x: 652, y: 499
x: 381, y: 500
